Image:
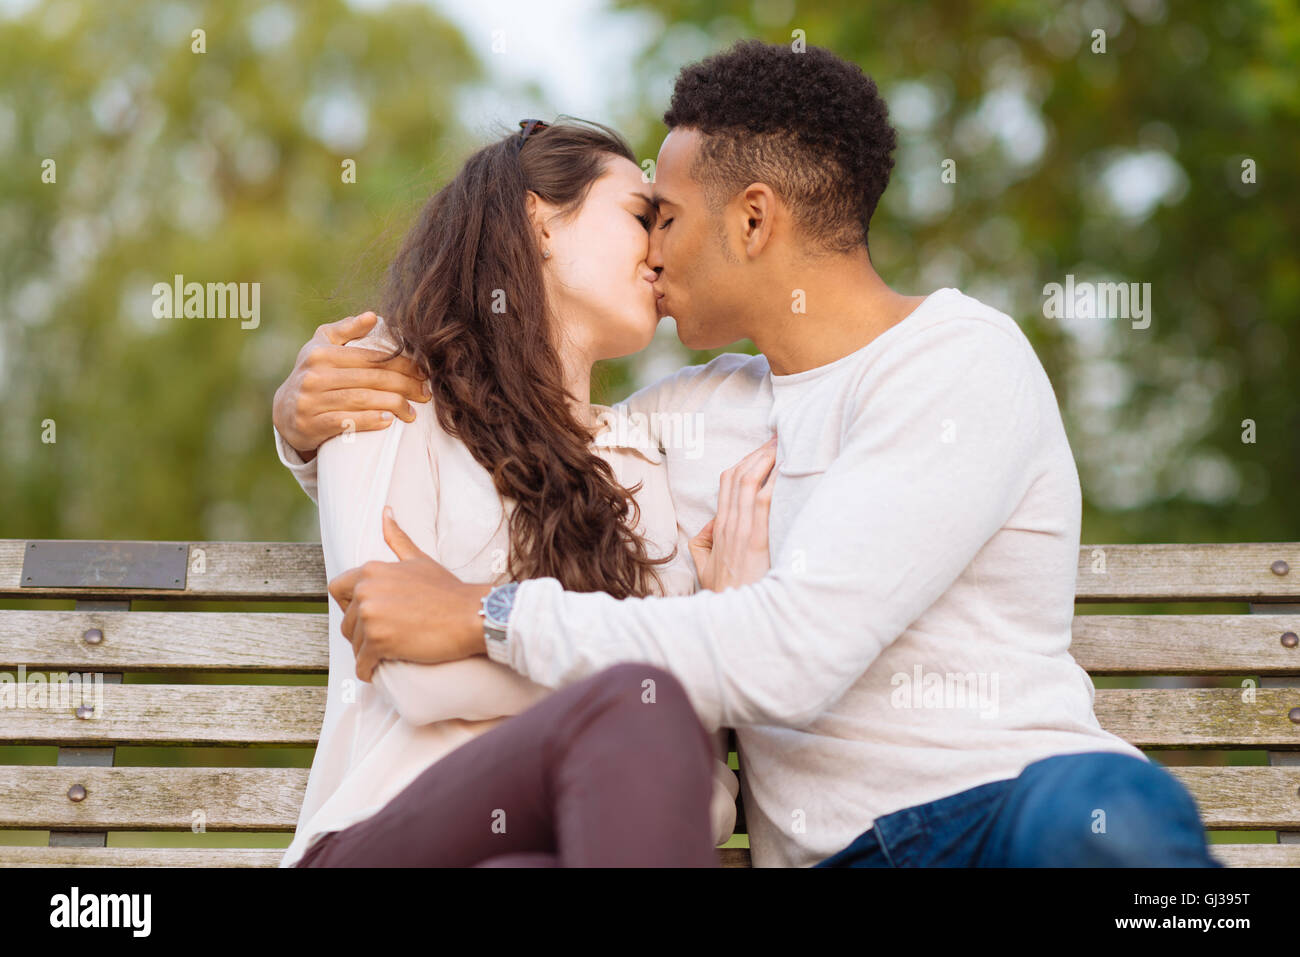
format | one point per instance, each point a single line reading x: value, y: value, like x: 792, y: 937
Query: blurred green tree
x: 226, y: 165
x: 1130, y: 165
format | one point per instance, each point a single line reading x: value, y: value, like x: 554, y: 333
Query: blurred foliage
x: 222, y: 166
x: 1122, y: 166
x: 225, y: 166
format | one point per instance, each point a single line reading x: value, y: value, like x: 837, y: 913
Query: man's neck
x: 845, y: 305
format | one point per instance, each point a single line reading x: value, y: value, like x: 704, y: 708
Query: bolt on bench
x: 83, y: 797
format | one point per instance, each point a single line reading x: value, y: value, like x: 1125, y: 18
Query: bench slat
x: 161, y: 640
x: 288, y: 571
x: 1244, y: 798
x: 268, y: 799
x: 260, y: 642
x: 1257, y: 855
x: 1185, y: 644
x: 1233, y: 855
x: 152, y: 799
x: 157, y: 714
x: 295, y: 571
x: 140, y: 856
x: 1227, y: 572
x: 237, y: 715
x: 1200, y: 717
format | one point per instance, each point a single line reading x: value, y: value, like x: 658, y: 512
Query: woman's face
x: 601, y: 289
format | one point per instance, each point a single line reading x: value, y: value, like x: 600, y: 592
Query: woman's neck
x: 576, y: 365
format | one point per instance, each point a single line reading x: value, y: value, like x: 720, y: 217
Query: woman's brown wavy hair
x: 496, y: 375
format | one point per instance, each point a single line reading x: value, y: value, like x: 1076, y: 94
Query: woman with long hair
x: 524, y: 270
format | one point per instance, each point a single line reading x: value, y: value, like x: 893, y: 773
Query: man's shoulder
x: 952, y: 323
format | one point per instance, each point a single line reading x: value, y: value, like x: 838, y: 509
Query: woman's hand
x: 731, y: 550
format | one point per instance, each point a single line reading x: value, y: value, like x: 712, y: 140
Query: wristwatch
x: 495, y: 612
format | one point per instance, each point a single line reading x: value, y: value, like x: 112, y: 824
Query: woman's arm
x: 358, y: 473
x: 474, y: 689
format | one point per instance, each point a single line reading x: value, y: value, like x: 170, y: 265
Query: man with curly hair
x: 900, y: 679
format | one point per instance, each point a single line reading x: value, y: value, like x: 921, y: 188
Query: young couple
x: 866, y: 567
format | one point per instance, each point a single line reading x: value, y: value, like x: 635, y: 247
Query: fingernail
x: 388, y: 511
x: 428, y: 389
x: 385, y: 416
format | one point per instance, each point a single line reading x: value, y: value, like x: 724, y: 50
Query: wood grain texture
x: 267, y: 642
x: 291, y: 571
x: 140, y: 857
x: 268, y: 799
x: 296, y: 571
x: 142, y: 714
x: 1244, y: 798
x: 1185, y: 644
x: 1200, y: 717
x: 285, y: 715
x: 152, y: 799
x: 161, y: 640
x: 1232, y: 855
x: 1227, y: 572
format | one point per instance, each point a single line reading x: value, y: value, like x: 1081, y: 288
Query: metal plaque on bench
x: 67, y: 564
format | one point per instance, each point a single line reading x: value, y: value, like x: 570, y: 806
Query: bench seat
x: 186, y: 644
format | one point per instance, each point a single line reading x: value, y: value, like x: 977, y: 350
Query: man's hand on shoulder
x: 333, y: 384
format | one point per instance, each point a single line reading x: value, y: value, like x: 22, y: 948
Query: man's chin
x: 694, y: 337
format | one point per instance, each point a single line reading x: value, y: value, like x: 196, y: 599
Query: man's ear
x: 759, y: 206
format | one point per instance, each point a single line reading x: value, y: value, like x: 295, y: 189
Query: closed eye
x: 666, y: 222
x: 645, y: 221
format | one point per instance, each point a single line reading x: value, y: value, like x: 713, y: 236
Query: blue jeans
x: 1095, y: 809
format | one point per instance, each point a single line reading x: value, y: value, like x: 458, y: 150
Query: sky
x: 578, y: 52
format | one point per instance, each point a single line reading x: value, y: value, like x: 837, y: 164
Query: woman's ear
x: 539, y: 212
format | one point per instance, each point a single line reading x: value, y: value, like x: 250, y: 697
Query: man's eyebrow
x: 661, y: 200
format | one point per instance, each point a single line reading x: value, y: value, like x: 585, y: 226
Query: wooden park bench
x: 83, y: 796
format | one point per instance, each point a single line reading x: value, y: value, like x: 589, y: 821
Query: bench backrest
x: 87, y: 793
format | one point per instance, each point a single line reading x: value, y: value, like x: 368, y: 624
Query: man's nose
x: 654, y: 257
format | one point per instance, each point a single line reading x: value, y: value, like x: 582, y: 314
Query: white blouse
x: 377, y: 736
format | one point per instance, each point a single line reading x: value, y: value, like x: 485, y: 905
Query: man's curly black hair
x: 809, y: 124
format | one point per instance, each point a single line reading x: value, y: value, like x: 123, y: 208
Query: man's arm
x: 333, y: 388
x: 890, y: 525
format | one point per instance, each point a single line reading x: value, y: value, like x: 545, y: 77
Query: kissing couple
x: 547, y: 615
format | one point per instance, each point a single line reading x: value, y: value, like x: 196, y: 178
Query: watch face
x: 497, y: 605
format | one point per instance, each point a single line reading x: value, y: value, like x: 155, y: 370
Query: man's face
x: 697, y: 279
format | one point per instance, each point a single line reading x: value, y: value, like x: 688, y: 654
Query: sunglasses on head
x: 528, y: 126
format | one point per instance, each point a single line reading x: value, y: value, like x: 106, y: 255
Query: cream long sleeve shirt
x: 376, y: 737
